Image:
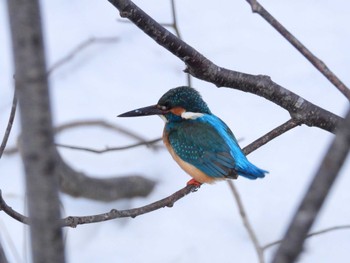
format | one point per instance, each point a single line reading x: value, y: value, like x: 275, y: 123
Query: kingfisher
x: 201, y: 143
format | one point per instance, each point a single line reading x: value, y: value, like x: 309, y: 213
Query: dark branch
x: 312, y: 202
x: 320, y: 65
x: 9, y: 124
x: 199, y: 66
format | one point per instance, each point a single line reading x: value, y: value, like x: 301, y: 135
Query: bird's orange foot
x: 194, y: 183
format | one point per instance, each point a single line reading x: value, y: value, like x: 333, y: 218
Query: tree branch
x: 312, y: 202
x: 94, y: 123
x: 79, y: 48
x: 316, y: 233
x: 200, y: 67
x: 270, y: 136
x: 109, y: 149
x: 316, y: 62
x: 9, y: 124
x: 246, y: 222
x: 73, y: 221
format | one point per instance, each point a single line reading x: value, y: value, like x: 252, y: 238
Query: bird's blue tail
x: 250, y: 171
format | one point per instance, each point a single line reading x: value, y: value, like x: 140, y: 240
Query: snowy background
x: 105, y: 80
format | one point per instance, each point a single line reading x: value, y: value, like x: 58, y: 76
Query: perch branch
x: 316, y: 62
x: 201, y: 67
x: 73, y: 221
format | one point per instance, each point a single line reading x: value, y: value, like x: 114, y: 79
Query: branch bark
x: 311, y: 204
x: 74, y: 221
x: 200, y: 67
x: 37, y: 135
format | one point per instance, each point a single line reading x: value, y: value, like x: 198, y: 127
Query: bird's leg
x: 194, y: 183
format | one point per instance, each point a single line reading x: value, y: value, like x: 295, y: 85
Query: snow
x: 105, y: 80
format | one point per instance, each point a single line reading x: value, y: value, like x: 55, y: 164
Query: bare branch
x: 246, y: 222
x: 73, y: 221
x: 318, y: 64
x: 200, y: 67
x: 97, y: 123
x: 109, y: 149
x: 9, y: 124
x: 79, y: 48
x: 270, y: 136
x: 306, y: 214
x: 316, y: 233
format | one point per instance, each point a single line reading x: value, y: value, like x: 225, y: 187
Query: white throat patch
x: 191, y: 115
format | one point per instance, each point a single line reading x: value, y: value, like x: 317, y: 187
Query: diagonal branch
x: 270, y: 136
x: 79, y: 48
x: 202, y: 68
x: 318, y: 64
x: 9, y: 124
x: 247, y: 224
x: 312, y: 202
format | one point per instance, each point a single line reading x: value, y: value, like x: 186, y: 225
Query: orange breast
x: 194, y: 172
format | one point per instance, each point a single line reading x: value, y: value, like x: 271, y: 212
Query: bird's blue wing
x: 208, y: 144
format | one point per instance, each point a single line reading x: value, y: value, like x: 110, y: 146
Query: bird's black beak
x: 146, y: 111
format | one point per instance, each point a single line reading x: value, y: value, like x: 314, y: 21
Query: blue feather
x: 208, y: 144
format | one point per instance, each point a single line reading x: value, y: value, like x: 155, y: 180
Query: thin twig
x: 316, y: 233
x: 9, y: 124
x: 318, y: 64
x: 97, y: 123
x: 246, y: 223
x: 73, y: 221
x: 79, y: 48
x: 109, y: 149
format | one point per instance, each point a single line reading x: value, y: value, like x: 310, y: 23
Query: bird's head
x: 177, y: 104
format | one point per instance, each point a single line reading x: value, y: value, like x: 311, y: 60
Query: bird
x: 200, y: 142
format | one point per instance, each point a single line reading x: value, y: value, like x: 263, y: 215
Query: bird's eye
x: 163, y: 107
